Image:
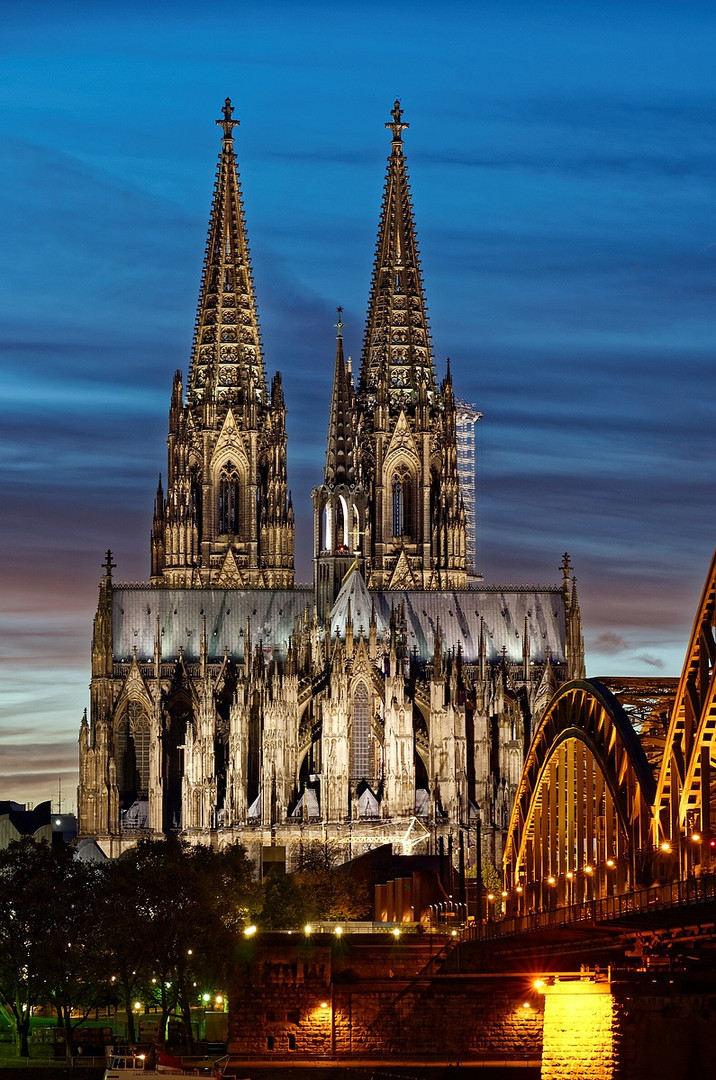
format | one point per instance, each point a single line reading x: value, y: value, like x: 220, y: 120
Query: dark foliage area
x: 153, y: 925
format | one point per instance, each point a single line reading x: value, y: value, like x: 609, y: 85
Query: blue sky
x: 563, y: 165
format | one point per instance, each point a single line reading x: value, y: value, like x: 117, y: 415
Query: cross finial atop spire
x: 340, y: 324
x: 226, y: 122
x: 108, y: 565
x: 396, y: 125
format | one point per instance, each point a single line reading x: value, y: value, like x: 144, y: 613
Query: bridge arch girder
x: 683, y: 793
x: 585, y: 797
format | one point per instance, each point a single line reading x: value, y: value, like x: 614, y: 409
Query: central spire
x: 227, y: 366
x: 339, y: 453
x: 397, y: 356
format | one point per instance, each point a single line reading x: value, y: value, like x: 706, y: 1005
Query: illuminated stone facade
x: 393, y: 699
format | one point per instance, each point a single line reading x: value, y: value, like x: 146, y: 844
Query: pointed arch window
x: 229, y: 490
x: 401, y: 504
x: 133, y: 738
x: 362, y: 754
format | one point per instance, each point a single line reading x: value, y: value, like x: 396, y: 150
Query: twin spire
x: 397, y: 355
x: 227, y: 367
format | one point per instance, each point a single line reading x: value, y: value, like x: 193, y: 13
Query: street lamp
x: 490, y: 902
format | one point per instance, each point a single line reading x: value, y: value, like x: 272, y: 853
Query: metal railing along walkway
x: 656, y: 898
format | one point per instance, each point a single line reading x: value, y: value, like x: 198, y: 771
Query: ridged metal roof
x: 181, y: 613
x: 504, y: 614
x: 271, y: 614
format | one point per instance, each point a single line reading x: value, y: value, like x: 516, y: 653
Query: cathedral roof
x: 227, y: 361
x: 354, y: 599
x: 397, y: 355
x: 462, y: 613
x: 181, y: 614
x: 271, y: 614
x: 460, y: 616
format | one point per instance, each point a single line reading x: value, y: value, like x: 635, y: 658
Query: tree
x: 185, y: 907
x: 125, y: 937
x: 320, y: 889
x: 71, y: 955
x: 48, y: 934
x: 27, y: 918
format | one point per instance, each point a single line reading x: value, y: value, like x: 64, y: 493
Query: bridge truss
x: 683, y: 817
x: 583, y: 807
x: 594, y: 815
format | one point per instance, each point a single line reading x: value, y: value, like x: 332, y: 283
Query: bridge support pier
x: 580, y: 1037
x: 646, y: 1025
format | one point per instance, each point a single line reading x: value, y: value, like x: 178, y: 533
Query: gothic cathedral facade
x: 393, y: 700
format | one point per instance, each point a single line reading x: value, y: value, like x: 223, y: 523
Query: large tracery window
x: 229, y: 499
x: 362, y: 755
x: 133, y: 752
x: 401, y: 505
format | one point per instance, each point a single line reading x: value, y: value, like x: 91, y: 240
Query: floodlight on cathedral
x: 392, y: 697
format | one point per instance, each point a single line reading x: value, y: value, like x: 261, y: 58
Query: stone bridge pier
x: 641, y: 1026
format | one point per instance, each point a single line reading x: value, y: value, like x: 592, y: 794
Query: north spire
x: 397, y: 355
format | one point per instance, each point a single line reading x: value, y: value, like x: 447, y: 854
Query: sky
x: 563, y: 166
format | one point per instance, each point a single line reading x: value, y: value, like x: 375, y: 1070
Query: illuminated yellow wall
x: 579, y: 1031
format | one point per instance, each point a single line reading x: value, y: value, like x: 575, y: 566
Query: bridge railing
x: 690, y: 890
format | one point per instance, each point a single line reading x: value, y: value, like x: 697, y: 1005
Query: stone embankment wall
x: 323, y: 999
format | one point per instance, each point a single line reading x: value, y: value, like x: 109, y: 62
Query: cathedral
x: 393, y: 700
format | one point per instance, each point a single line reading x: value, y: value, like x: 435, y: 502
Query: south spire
x: 226, y: 519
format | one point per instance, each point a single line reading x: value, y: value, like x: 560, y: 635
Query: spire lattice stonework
x: 406, y: 431
x: 227, y: 515
x: 397, y: 355
x: 339, y: 453
x: 227, y: 364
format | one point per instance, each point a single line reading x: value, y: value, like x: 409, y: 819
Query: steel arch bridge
x: 583, y: 806
x: 683, y: 817
x: 590, y: 816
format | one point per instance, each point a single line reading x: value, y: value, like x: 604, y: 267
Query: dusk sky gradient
x: 563, y: 166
